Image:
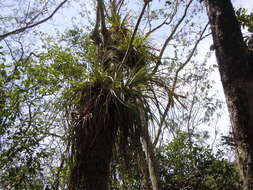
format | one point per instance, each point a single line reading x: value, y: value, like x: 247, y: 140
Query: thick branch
x: 102, y: 16
x: 95, y: 33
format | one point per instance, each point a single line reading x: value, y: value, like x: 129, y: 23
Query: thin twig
x: 164, y: 22
x: 171, y: 36
x: 175, y: 81
x: 22, y: 29
x: 190, y: 55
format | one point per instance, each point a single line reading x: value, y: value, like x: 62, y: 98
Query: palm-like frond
x: 123, y: 99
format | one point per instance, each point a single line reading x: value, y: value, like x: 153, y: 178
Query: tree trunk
x: 237, y: 80
x: 152, y: 165
x: 92, y: 142
x: 91, y: 170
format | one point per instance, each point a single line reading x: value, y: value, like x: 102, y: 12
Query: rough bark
x: 236, y: 76
x: 93, y: 138
x: 91, y: 171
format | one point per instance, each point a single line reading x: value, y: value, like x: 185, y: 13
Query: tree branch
x: 189, y: 56
x: 102, y: 16
x: 22, y: 29
x: 164, y: 22
x: 171, y: 36
x: 174, y: 84
x: 174, y: 29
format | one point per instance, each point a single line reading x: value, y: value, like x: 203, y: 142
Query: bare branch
x: 157, y: 27
x: 165, y: 21
x: 175, y: 81
x: 174, y: 29
x: 22, y: 29
x: 10, y: 50
x: 171, y: 36
x: 189, y: 56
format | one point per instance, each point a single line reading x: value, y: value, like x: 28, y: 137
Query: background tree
x: 24, y: 130
x: 191, y: 165
x: 121, y: 85
x: 183, y: 165
x: 235, y: 66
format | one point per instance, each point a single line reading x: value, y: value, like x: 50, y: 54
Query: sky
x: 63, y: 20
x: 248, y: 4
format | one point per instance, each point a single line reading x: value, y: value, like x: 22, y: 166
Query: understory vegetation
x: 123, y: 101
